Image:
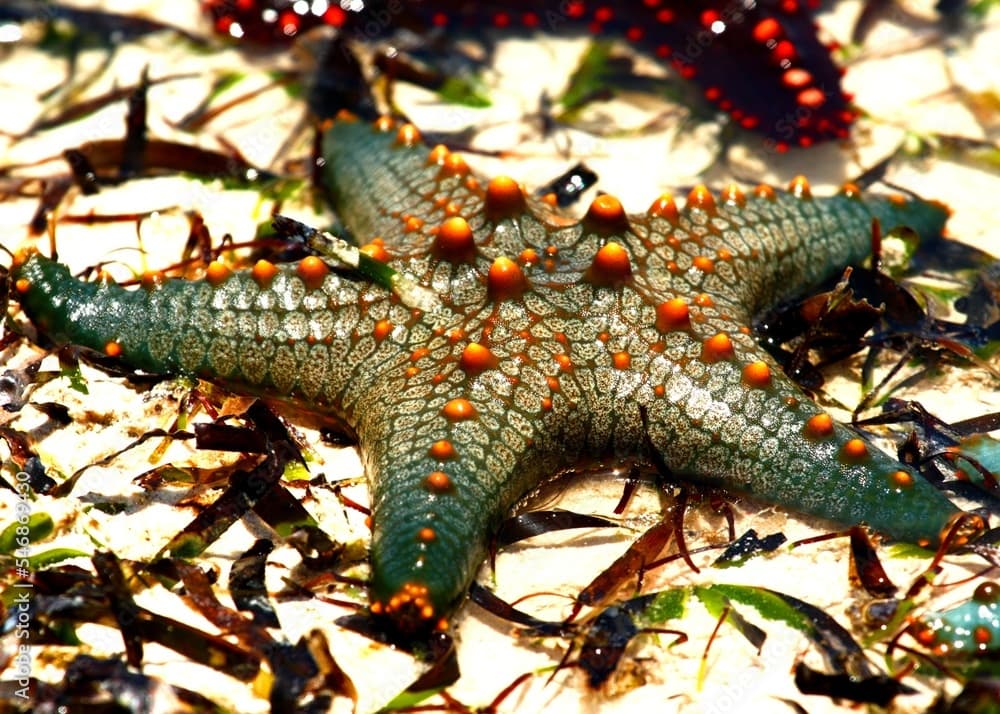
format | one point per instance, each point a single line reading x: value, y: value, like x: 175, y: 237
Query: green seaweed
x: 39, y: 527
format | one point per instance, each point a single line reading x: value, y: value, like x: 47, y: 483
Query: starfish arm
x: 754, y: 251
x: 443, y: 472
x: 299, y: 333
x: 402, y: 195
x: 738, y: 422
x: 451, y: 439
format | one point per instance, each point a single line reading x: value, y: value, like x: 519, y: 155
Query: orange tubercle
x: 113, y: 349
x: 854, y: 450
x: 717, y: 348
x: 438, y: 154
x: 665, y: 207
x: 413, y: 599
x: 476, y: 358
x: 703, y: 263
x: 529, y: 256
x: 621, y: 360
x: 605, y: 214
x: 438, y: 482
x: 819, y: 426
x: 799, y: 187
x: 757, y: 374
x: 426, y: 535
x: 22, y: 285
x: 504, y: 198
x: 313, y: 271
x: 701, y: 198
x: 766, y: 192
x: 611, y: 265
x: 263, y: 273
x: 408, y: 135
x: 216, y: 273
x: 454, y: 165
x: 673, y: 315
x: 902, y: 479
x: 734, y: 195
x: 383, y: 328
x: 851, y: 190
x: 442, y: 450
x: 505, y: 279
x: 454, y: 240
x: 459, y: 410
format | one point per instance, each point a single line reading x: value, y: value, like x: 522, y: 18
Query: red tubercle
x: 766, y: 30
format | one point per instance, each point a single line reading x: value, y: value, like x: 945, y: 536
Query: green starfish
x: 501, y: 345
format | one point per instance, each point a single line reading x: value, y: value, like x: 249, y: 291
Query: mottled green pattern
x: 559, y: 392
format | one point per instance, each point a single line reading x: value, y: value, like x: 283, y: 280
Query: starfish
x: 760, y: 61
x: 501, y: 344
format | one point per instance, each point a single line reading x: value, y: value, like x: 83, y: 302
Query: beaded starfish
x: 760, y: 61
x: 508, y: 344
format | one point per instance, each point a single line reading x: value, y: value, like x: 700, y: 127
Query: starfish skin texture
x: 547, y: 344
